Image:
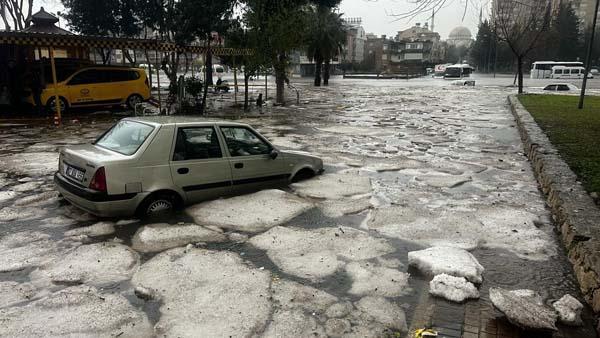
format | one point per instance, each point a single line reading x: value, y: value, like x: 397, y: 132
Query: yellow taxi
x: 98, y: 86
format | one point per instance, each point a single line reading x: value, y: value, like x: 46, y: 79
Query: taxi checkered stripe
x: 46, y: 40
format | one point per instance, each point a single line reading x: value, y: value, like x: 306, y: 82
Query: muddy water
x: 441, y: 152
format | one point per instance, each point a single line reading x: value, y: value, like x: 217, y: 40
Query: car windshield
x: 125, y: 137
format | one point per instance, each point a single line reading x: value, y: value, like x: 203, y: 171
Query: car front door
x: 198, y: 164
x: 83, y: 88
x: 253, y: 161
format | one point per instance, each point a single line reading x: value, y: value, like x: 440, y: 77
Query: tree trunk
x: 105, y: 56
x: 318, y: 69
x: 205, y: 90
x: 246, y: 78
x: 208, y: 68
x: 520, y: 73
x: 326, y: 71
x: 280, y: 79
x: 132, y: 59
x: 149, y: 68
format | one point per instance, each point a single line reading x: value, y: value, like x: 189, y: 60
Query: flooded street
x: 409, y: 165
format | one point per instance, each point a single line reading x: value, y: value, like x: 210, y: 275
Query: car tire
x: 133, y: 100
x: 156, y: 205
x: 51, y: 105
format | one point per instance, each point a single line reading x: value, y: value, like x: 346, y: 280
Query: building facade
x: 356, y: 37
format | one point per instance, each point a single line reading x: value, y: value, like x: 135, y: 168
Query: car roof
x: 108, y: 67
x: 182, y: 120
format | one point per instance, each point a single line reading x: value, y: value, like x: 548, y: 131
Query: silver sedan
x: 153, y: 165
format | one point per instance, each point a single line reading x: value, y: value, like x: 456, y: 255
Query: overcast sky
x: 377, y: 15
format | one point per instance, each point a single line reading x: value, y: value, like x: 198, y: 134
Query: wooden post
x: 57, y: 115
x: 158, y: 82
x: 235, y: 83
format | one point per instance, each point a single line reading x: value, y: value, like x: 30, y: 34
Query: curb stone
x: 574, y: 211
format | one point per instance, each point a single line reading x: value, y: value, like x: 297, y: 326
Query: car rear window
x: 125, y: 137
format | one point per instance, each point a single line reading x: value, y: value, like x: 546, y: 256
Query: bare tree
x: 16, y: 14
x: 521, y: 23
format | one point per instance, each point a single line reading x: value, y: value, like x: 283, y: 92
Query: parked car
x: 98, y: 86
x: 151, y: 165
x: 561, y: 87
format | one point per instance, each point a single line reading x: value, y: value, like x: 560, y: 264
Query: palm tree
x: 325, y: 37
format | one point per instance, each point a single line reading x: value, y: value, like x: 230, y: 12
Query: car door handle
x: 239, y: 165
x: 183, y: 171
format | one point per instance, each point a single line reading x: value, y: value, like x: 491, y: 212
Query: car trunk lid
x: 79, y: 163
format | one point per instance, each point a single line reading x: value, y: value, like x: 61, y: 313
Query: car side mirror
x: 273, y: 154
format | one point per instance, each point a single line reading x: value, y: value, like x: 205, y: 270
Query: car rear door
x: 198, y: 165
x: 252, y: 166
x: 122, y: 84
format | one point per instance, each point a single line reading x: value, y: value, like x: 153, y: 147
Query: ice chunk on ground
x: 38, y: 199
x: 76, y: 312
x: 315, y: 254
x: 400, y: 164
x: 455, y: 289
x: 569, y: 310
x: 159, y: 237
x: 12, y: 293
x: 452, y: 261
x: 216, y: 291
x: 483, y: 226
x: 18, y: 251
x: 524, y: 308
x: 371, y: 280
x: 250, y: 213
x: 294, y: 323
x: 95, y: 230
x: 291, y: 295
x: 31, y: 164
x: 95, y: 264
x: 337, y: 327
x: 443, y: 181
x: 339, y: 310
x: 6, y: 195
x: 9, y: 214
x: 26, y: 187
x: 346, y: 206
x: 333, y: 186
x: 383, y: 311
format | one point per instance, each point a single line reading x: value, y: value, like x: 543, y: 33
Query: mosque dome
x: 460, y: 37
x: 460, y: 33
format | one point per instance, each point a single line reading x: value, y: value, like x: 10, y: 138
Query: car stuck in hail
x: 149, y: 165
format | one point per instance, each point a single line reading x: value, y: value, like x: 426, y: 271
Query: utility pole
x: 588, y: 57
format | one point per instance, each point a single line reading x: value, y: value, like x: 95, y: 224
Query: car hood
x: 298, y: 153
x: 302, y: 156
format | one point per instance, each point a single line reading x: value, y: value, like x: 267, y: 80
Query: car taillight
x: 99, y: 180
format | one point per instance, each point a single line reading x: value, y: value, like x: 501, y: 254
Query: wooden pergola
x: 54, y: 41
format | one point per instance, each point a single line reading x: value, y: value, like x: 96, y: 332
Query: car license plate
x: 75, y: 173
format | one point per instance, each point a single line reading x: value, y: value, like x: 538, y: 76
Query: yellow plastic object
x: 421, y: 333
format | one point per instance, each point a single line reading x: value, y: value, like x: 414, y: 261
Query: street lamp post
x: 588, y: 60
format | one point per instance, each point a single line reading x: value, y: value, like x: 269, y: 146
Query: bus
x: 458, y: 71
x: 562, y: 72
x: 543, y: 69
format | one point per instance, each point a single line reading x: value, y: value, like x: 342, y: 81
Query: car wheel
x: 133, y: 100
x: 51, y: 105
x: 162, y: 204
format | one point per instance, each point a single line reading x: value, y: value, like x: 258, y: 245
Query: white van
x: 565, y: 72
